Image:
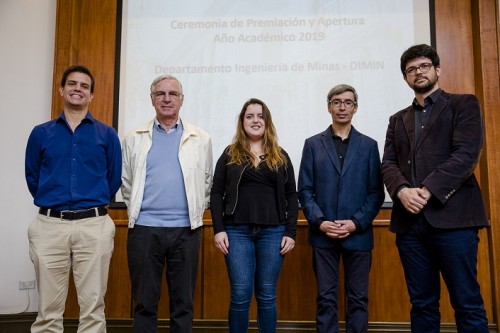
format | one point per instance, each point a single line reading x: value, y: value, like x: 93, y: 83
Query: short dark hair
x: 78, y: 69
x: 340, y: 89
x: 417, y: 51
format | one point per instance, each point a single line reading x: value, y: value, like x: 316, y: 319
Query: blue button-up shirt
x: 68, y: 170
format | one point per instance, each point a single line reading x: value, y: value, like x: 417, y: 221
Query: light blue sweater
x: 164, y: 203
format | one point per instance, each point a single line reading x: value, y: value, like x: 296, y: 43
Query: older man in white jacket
x: 166, y: 180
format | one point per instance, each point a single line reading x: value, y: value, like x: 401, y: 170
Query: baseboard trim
x: 21, y: 323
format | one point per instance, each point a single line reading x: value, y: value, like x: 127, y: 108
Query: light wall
x: 27, y: 35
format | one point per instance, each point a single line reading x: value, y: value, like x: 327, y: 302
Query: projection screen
x: 289, y: 53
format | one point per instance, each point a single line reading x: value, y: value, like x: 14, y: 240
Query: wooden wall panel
x: 67, y: 25
x: 388, y: 298
x: 85, y: 35
x: 297, y: 284
x: 486, y: 34
x: 467, y: 37
x: 215, y: 280
x: 454, y: 45
x: 118, y: 296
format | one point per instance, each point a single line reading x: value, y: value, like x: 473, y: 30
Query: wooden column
x: 486, y: 37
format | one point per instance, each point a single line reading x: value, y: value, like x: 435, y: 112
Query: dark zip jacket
x: 224, y: 194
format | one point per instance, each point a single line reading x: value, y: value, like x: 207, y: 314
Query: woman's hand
x: 222, y: 242
x: 287, y: 245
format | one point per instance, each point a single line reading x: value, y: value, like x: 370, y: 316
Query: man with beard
x: 431, y: 150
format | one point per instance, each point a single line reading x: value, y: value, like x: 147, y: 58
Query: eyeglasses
x: 424, y: 68
x: 160, y: 95
x: 348, y: 103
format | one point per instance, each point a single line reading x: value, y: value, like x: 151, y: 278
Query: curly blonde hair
x: 239, y: 150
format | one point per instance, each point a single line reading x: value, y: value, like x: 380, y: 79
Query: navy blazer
x: 329, y: 192
x: 446, y: 155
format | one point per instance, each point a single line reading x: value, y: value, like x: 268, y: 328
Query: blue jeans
x: 254, y: 259
x: 426, y: 252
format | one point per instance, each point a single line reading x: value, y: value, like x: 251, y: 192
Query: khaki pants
x: 85, y: 246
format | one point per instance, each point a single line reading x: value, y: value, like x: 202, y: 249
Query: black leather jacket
x: 224, y: 194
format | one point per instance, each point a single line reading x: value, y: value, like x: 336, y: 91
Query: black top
x: 245, y: 194
x: 257, y: 202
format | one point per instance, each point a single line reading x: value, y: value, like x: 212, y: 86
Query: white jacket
x: 195, y: 157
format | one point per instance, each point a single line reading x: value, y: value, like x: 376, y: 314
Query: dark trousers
x: 356, y: 270
x: 426, y: 252
x: 149, y: 249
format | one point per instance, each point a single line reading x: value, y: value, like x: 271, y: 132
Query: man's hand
x: 337, y: 229
x: 414, y: 199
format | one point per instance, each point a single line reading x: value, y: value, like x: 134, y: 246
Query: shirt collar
x: 336, y: 136
x: 88, y: 117
x: 429, y: 100
x: 161, y: 128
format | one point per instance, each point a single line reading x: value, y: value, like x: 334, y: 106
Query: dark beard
x: 422, y: 89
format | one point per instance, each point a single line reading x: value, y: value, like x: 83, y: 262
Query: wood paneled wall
x: 467, y: 35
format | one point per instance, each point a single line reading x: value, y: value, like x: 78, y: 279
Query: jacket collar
x: 440, y: 101
x: 354, y: 142
x: 188, y: 130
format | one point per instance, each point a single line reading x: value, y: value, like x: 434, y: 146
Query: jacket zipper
x: 237, y: 189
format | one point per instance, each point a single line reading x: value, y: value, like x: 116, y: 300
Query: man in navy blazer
x: 431, y: 150
x: 341, y: 191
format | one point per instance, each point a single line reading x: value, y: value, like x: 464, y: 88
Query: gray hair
x: 164, y: 77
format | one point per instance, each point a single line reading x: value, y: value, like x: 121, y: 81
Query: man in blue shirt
x: 73, y: 169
